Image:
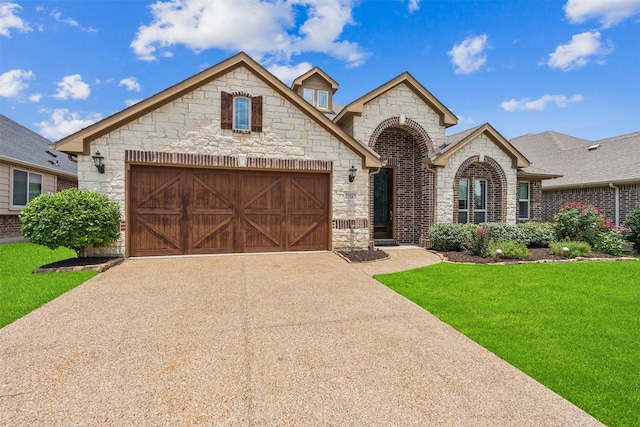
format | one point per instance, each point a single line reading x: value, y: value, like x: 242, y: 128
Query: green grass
x: 21, y: 291
x: 575, y: 327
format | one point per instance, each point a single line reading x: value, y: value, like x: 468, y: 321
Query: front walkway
x: 286, y: 339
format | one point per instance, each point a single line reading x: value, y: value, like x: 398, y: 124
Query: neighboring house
x: 603, y: 173
x: 28, y: 168
x: 233, y: 160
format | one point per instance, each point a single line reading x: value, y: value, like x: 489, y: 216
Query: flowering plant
x: 580, y: 222
x: 478, y: 243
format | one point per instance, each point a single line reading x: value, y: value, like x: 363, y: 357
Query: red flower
x: 480, y: 231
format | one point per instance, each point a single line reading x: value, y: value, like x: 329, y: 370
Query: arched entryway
x: 402, y: 193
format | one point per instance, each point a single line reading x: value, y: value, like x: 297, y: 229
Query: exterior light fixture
x: 352, y: 173
x: 565, y: 251
x: 97, y: 161
x: 498, y: 253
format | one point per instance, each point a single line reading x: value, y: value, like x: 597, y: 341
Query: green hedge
x: 456, y: 237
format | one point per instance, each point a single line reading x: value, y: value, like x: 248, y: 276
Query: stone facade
x: 191, y: 124
x: 603, y: 197
x: 482, y: 149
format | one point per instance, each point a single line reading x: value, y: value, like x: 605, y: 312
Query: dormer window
x: 323, y: 99
x: 317, y: 88
x: 309, y: 95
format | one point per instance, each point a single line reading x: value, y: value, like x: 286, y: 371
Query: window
x: 26, y: 186
x: 241, y: 113
x: 480, y: 201
x: 309, y: 95
x: 463, y: 200
x: 323, y: 99
x: 523, y: 199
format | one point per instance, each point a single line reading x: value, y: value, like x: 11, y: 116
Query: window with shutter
x: 241, y: 112
x: 256, y: 114
x: 226, y: 111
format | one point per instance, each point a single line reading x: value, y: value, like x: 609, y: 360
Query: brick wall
x: 10, y: 226
x: 413, y: 183
x: 601, y: 197
x: 65, y: 184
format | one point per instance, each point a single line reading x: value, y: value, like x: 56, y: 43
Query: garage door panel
x: 212, y: 234
x: 262, y: 232
x: 182, y: 211
x: 158, y: 233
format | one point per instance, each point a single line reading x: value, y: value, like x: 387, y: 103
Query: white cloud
x: 130, y: 102
x: 287, y: 73
x: 72, y: 87
x: 8, y: 20
x: 64, y: 122
x: 576, y: 53
x: 608, y: 12
x: 131, y: 83
x: 268, y: 28
x: 69, y: 21
x: 540, y: 103
x: 13, y: 82
x: 414, y: 5
x: 468, y: 57
x: 36, y: 97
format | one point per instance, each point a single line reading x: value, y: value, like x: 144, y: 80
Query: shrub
x: 578, y: 222
x: 610, y: 243
x: 509, y: 248
x: 75, y: 219
x: 478, y: 243
x: 451, y: 237
x: 575, y: 249
x: 501, y: 231
x: 536, y: 234
x: 633, y: 223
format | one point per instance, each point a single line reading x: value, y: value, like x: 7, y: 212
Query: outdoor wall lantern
x: 97, y: 160
x: 352, y: 173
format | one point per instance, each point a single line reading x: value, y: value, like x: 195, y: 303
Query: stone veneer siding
x: 601, y: 197
x: 446, y: 178
x: 191, y: 125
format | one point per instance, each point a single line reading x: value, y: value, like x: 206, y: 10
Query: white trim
x: 528, y: 200
x: 233, y: 125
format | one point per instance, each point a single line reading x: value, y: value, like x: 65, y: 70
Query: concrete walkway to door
x: 285, y: 339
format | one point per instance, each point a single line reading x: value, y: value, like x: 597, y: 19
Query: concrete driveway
x: 286, y: 339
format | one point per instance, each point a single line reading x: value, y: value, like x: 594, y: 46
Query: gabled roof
x: 24, y: 147
x: 79, y: 141
x: 315, y: 70
x: 447, y: 118
x: 453, y: 143
x: 583, y: 163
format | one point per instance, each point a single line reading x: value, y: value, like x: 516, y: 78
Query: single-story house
x: 604, y: 173
x: 28, y: 168
x: 233, y: 160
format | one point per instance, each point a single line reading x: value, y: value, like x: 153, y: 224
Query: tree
x: 75, y: 219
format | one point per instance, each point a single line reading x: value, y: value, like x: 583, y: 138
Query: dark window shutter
x: 226, y: 111
x: 256, y: 114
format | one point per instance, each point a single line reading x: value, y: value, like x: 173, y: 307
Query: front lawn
x: 21, y: 291
x: 574, y: 327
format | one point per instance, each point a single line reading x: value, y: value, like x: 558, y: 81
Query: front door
x: 383, y: 204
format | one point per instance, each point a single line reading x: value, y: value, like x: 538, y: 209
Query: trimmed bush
x: 633, y: 223
x: 509, y: 248
x: 610, y: 243
x: 536, y: 234
x: 75, y: 219
x: 579, y: 222
x: 575, y: 249
x: 451, y: 237
x: 501, y: 231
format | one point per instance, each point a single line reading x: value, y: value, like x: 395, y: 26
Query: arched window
x: 241, y: 113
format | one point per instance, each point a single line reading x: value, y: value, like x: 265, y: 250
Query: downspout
x: 617, y: 196
x: 371, y: 241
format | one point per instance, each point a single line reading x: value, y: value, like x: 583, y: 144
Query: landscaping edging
x: 97, y: 267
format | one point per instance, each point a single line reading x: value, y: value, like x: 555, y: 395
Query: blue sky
x: 571, y: 66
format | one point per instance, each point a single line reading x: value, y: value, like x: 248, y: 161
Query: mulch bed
x: 79, y: 262
x: 537, y: 254
x: 364, y: 256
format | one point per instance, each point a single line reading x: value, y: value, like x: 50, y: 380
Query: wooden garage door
x: 178, y: 211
